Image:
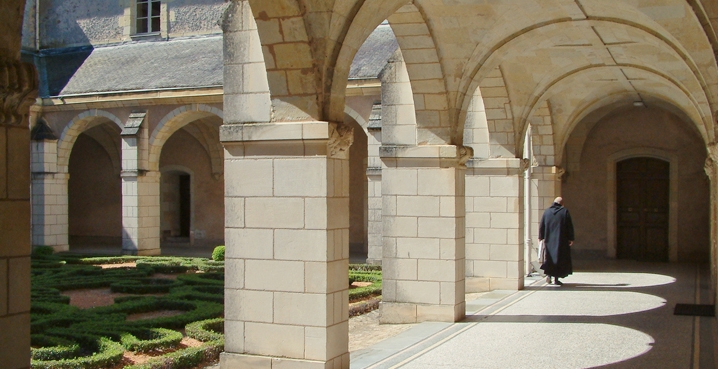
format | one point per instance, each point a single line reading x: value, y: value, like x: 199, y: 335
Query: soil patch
x: 88, y: 298
x: 358, y: 284
x: 115, y: 266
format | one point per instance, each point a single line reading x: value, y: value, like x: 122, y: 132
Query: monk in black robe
x: 556, y: 230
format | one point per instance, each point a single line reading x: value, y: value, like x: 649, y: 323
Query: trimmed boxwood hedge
x: 206, y: 330
x: 52, y: 348
x: 151, y: 339
x: 106, y: 353
x: 144, y: 285
x: 187, y: 358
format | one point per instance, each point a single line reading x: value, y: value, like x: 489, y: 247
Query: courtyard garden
x: 141, y: 312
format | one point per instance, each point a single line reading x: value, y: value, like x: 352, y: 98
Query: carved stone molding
x: 709, y: 167
x: 525, y: 163
x: 560, y: 172
x: 18, y: 90
x: 341, y: 137
x: 465, y: 154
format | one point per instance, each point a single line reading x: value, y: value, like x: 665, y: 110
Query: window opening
x: 148, y: 16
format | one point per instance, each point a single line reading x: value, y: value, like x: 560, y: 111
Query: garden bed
x: 164, y: 312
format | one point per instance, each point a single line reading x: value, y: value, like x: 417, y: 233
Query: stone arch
x: 82, y: 122
x: 174, y: 121
x: 163, y: 203
x: 542, y: 137
x: 500, y: 123
x: 476, y: 129
x: 357, y: 118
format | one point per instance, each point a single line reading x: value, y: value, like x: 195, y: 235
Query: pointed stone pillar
x: 373, y: 174
x: 49, y: 192
x: 140, y: 192
x: 423, y: 215
x: 287, y: 239
x: 494, y: 225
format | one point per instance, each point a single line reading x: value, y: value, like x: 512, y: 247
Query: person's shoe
x: 548, y: 279
x: 559, y: 282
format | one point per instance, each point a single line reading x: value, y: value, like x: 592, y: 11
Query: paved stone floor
x: 609, y: 314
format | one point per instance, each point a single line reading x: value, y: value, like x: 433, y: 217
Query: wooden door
x: 642, y: 205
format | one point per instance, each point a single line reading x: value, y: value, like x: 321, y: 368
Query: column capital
x: 338, y: 137
x: 18, y: 90
x: 440, y: 156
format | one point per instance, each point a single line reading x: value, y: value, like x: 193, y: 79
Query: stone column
x: 373, y: 174
x: 18, y: 88
x: 287, y: 239
x: 546, y: 185
x: 140, y: 192
x: 494, y: 225
x: 423, y: 215
x: 49, y: 196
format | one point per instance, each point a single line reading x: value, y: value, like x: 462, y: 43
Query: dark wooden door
x: 642, y: 204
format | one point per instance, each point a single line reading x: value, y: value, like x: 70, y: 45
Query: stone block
x: 400, y: 226
x: 439, y: 313
x: 505, y: 186
x: 315, y: 216
x: 4, y: 286
x: 418, y: 248
x: 490, y: 236
x: 490, y: 268
x: 397, y: 313
x: 18, y: 285
x: 477, y: 284
x: 511, y: 284
x: 438, y: 227
x: 505, y: 252
x: 478, y: 251
x: 420, y: 292
x: 418, y: 206
x: 234, y: 273
x: 506, y: 220
x: 249, y: 177
x: 399, y: 269
x: 229, y: 360
x: 274, y: 212
x: 490, y: 204
x: 274, y: 340
x: 274, y: 275
x: 304, y: 309
x: 234, y: 338
x: 478, y: 220
x: 15, y: 338
x: 233, y: 212
x: 324, y: 344
x: 306, y: 245
x: 477, y: 186
x: 248, y: 243
x: 438, y: 270
x: 18, y: 143
x: 437, y: 182
x: 399, y: 182
x: 15, y: 218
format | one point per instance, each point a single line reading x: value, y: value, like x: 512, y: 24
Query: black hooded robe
x: 556, y: 230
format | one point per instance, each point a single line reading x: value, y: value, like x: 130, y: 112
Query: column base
x: 484, y: 284
x: 403, y: 313
x: 232, y: 361
x: 150, y: 252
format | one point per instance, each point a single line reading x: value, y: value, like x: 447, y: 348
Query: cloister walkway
x: 609, y: 314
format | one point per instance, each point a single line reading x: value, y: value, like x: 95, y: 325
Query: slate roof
x: 372, y: 57
x: 178, y: 63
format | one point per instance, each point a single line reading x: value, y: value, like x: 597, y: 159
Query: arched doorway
x: 642, y: 194
x: 176, y: 206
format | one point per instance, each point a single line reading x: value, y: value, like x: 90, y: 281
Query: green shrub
x: 206, y: 330
x: 144, y: 285
x: 187, y: 358
x: 151, y: 339
x: 218, y: 253
x: 52, y: 348
x: 106, y: 354
x: 42, y: 251
x: 365, y: 267
x: 215, y: 279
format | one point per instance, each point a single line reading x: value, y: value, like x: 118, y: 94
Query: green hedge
x: 206, y: 330
x: 144, y: 285
x: 151, y: 339
x: 52, y: 348
x: 183, y: 359
x: 215, y: 279
x: 106, y: 353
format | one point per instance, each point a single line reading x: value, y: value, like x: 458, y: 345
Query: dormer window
x: 148, y: 16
